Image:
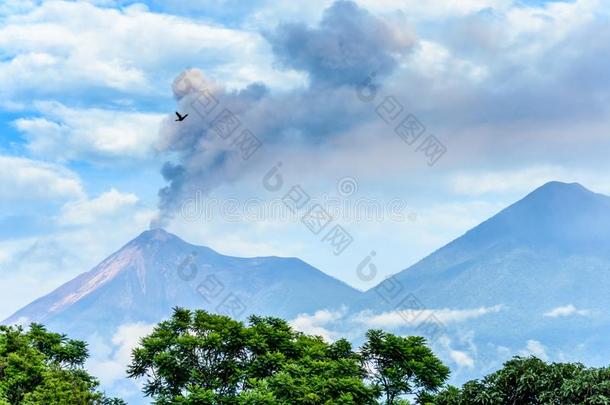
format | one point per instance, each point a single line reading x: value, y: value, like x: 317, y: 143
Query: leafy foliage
x: 526, y: 381
x: 201, y: 358
x: 399, y: 365
x: 40, y: 367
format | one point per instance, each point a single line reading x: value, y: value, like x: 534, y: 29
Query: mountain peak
x: 559, y: 200
x: 155, y: 234
x: 553, y: 187
x: 157, y: 270
x: 563, y: 215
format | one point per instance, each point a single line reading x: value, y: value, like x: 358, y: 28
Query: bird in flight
x: 180, y: 117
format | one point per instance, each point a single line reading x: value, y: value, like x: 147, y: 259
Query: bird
x: 180, y: 117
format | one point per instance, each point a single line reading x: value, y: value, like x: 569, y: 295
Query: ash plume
x: 348, y: 45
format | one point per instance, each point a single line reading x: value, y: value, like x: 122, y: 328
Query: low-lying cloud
x: 395, y: 319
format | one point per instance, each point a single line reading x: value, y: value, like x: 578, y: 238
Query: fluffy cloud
x: 87, y: 211
x: 108, y: 362
x: 567, y: 310
x: 65, y: 133
x: 318, y: 323
x: 535, y: 348
x: 64, y: 49
x: 24, y: 179
x: 461, y: 358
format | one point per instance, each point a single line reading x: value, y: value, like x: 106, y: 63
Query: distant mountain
x: 545, y: 260
x: 157, y: 271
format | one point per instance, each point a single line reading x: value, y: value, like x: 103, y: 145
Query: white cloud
x: 317, y: 324
x: 536, y: 29
x: 87, y: 211
x: 68, y: 134
x: 535, y: 348
x: 461, y: 358
x: 61, y: 46
x: 108, y: 362
x: 566, y: 310
x: 416, y: 317
x: 24, y: 179
x: 433, y: 60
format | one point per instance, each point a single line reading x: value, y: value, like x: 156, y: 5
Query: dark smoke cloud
x: 349, y: 44
x: 341, y: 53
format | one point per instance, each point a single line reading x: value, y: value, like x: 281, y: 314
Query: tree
x: 194, y: 355
x: 40, y: 367
x: 201, y: 358
x: 531, y: 381
x: 197, y: 357
x: 297, y: 368
x: 402, y: 365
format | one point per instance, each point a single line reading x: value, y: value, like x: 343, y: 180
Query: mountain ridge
x: 154, y: 270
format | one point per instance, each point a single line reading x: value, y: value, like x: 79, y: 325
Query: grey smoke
x: 348, y: 45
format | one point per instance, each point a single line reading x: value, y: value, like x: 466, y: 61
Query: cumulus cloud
x: 23, y: 179
x: 49, y: 52
x: 565, y: 311
x: 319, y: 323
x: 535, y: 348
x: 414, y: 317
x: 461, y: 358
x: 65, y: 133
x: 109, y: 360
x: 87, y: 211
x: 505, y: 78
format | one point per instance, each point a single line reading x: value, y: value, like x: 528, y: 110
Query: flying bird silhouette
x: 180, y: 117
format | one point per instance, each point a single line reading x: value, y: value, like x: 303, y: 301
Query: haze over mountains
x: 534, y: 277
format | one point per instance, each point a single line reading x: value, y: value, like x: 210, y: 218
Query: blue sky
x: 517, y: 92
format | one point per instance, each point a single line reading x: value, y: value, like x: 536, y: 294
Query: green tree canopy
x: 531, y: 381
x: 201, y: 358
x: 402, y: 365
x: 40, y: 367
